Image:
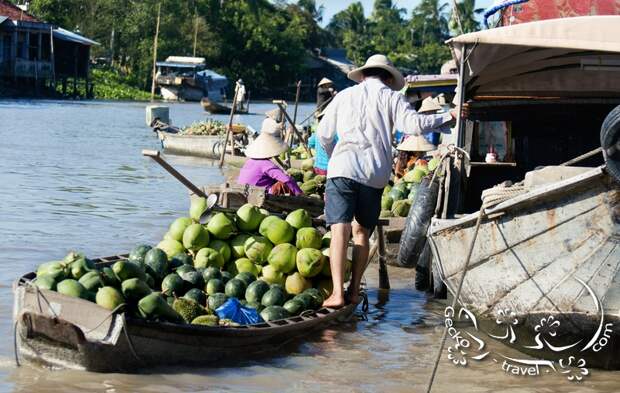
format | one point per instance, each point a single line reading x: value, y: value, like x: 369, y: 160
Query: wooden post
x: 52, y: 57
x: 195, y: 29
x: 384, y: 279
x: 155, y: 52
x: 229, y: 131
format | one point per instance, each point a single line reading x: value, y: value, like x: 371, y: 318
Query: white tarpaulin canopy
x: 569, y: 57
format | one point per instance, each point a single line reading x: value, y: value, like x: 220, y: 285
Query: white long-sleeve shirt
x: 363, y: 117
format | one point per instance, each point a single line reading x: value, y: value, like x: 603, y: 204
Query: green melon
x: 282, y: 257
x: 275, y: 296
x: 220, y: 226
x: 248, y: 217
x: 255, y: 291
x: 274, y: 313
x: 235, y: 288
x: 299, y: 218
x: 137, y: 253
x: 237, y: 245
x: 222, y: 247
x: 257, y: 249
x: 208, y: 257
x: 309, y: 238
x: 310, y: 262
x: 276, y: 230
x: 178, y: 226
x: 214, y: 285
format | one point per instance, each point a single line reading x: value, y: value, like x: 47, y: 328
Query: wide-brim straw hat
x: 416, y: 143
x: 265, y: 146
x: 325, y: 81
x: 429, y: 105
x: 382, y: 62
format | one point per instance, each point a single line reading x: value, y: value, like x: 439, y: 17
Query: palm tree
x: 467, y: 12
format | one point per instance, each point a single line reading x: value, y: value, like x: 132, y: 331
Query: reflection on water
x: 72, y: 177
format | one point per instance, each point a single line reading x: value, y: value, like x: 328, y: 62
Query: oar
x: 320, y: 108
x: 280, y: 103
x: 290, y: 134
x: 154, y: 154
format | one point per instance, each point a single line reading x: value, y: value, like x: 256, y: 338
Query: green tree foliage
x: 467, y: 12
x: 265, y: 42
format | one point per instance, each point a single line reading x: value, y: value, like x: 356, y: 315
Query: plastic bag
x: 238, y: 313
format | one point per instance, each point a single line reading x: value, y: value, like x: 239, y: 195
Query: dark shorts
x: 346, y: 199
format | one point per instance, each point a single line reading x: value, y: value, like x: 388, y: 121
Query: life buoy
x: 413, y: 238
x: 610, y: 142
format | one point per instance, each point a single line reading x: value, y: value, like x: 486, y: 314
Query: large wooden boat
x: 60, y: 331
x: 216, y: 108
x: 546, y: 260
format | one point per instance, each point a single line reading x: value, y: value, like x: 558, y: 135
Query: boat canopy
x: 569, y: 57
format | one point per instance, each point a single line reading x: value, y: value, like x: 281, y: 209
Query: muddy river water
x: 72, y: 177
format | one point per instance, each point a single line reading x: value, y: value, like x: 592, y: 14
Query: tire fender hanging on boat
x: 610, y: 142
x: 413, y: 238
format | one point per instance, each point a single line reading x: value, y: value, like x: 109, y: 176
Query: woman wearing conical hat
x: 324, y: 92
x: 410, y: 150
x: 260, y: 171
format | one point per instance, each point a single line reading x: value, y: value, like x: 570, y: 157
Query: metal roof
x: 214, y: 75
x: 177, y: 64
x: 67, y: 35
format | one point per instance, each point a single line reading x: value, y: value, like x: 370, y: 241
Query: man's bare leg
x: 361, y: 249
x: 337, y: 258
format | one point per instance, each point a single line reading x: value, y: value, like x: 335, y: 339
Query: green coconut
x: 195, y: 237
x: 310, y: 262
x: 176, y: 229
x: 248, y: 217
x: 309, y: 187
x: 220, y: 226
x: 198, y: 205
x: 276, y: 230
x: 296, y: 284
x: 245, y: 265
x: 171, y: 247
x: 271, y: 276
x: 299, y: 218
x: 307, y: 165
x: 283, y: 257
x: 208, y: 257
x: 309, y: 238
x: 386, y: 202
x: 237, y: 245
x: 401, y: 208
x: 222, y: 247
x: 326, y: 240
x: 257, y: 249
x: 433, y: 164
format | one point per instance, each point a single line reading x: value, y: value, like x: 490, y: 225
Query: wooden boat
x: 215, y: 108
x: 552, y: 251
x: 546, y: 260
x: 205, y: 146
x: 60, y: 331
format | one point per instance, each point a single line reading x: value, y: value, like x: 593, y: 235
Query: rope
x: 456, y: 298
x: 129, y: 342
x: 501, y: 193
x: 15, y: 352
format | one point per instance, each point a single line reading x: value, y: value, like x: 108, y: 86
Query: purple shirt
x: 264, y: 173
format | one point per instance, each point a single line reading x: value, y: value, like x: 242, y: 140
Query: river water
x: 72, y: 177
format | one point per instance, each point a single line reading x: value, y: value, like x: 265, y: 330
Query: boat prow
x: 553, y: 251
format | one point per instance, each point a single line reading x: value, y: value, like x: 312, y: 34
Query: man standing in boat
x: 241, y: 93
x: 361, y: 161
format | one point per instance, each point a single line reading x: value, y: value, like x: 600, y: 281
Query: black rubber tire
x: 610, y: 142
x: 440, y: 291
x: 423, y: 269
x: 413, y: 238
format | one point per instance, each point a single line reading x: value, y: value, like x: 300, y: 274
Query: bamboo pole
x: 195, y: 30
x: 155, y: 52
x: 229, y: 131
x: 290, y: 132
x: 280, y: 104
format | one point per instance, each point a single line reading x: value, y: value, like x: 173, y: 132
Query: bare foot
x: 334, y: 301
x: 352, y: 297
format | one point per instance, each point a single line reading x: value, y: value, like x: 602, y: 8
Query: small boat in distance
x: 215, y: 108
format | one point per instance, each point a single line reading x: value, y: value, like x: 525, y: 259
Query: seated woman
x: 260, y: 171
x: 410, y: 150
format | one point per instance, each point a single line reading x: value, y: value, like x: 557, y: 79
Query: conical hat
x: 275, y: 114
x: 325, y: 81
x: 265, y: 146
x: 415, y: 143
x: 271, y: 127
x: 429, y: 105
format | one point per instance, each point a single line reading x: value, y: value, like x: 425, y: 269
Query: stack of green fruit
x: 208, y: 127
x: 279, y: 266
x: 397, y: 199
x: 310, y: 183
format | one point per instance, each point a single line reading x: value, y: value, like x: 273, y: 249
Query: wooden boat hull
x: 215, y: 108
x: 554, y: 251
x: 197, y: 146
x: 59, y: 331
